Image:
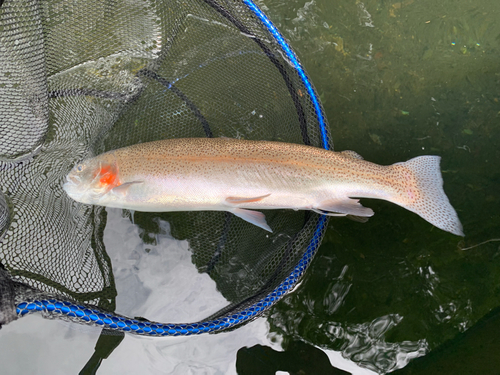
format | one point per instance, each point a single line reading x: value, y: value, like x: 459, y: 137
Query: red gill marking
x: 108, y: 176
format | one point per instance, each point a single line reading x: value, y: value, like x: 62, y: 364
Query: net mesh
x: 81, y: 78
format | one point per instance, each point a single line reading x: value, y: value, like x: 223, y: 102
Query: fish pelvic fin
x: 424, y: 193
x: 253, y: 217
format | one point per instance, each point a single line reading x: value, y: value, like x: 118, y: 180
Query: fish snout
x: 73, y: 179
x: 72, y: 185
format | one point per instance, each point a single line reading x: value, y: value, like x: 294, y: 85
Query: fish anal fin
x: 358, y: 219
x: 122, y: 189
x: 322, y: 212
x: 345, y: 206
x: 253, y: 217
x: 239, y: 200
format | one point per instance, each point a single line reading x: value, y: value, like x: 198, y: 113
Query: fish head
x: 92, y: 179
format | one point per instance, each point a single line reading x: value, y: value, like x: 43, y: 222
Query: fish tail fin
x: 425, y: 196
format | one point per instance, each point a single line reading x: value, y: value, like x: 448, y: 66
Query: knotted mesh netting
x: 78, y: 78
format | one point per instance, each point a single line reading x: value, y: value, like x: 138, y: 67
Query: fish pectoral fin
x: 239, y: 200
x: 344, y: 207
x: 253, y: 217
x: 122, y: 189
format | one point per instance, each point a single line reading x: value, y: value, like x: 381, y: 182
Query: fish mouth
x: 81, y: 191
x: 75, y: 180
x: 71, y: 186
x: 72, y: 180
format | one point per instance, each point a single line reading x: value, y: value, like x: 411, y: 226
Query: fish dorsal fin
x: 352, y: 154
x: 343, y: 207
x: 122, y: 189
x: 253, y: 217
x: 240, y: 200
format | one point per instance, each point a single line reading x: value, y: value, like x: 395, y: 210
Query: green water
x: 398, y: 80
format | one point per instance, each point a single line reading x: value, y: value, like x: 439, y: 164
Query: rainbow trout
x: 239, y: 176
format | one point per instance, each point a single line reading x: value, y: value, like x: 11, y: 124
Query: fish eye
x: 80, y: 168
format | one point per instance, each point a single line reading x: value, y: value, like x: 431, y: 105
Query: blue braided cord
x: 296, y: 64
x: 91, y: 315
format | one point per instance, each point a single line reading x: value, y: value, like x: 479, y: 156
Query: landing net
x: 81, y: 78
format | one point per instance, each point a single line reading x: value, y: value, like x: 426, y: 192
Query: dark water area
x: 399, y: 80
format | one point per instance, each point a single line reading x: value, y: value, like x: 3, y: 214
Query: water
x: 397, y: 80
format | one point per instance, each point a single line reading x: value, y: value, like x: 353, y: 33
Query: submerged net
x: 81, y: 78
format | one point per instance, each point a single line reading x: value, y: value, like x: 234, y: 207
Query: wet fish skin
x: 222, y: 174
